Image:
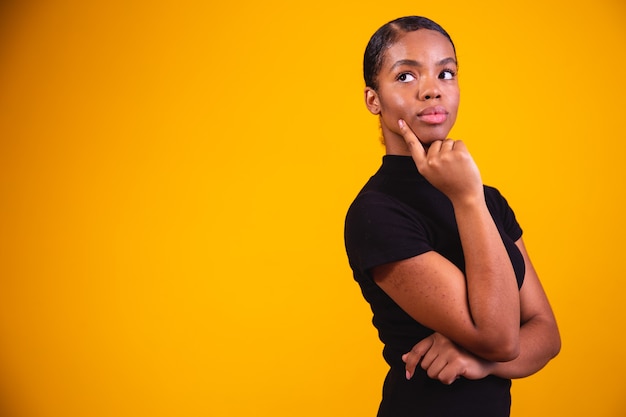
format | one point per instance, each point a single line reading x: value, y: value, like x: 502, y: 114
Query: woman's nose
x: 429, y: 89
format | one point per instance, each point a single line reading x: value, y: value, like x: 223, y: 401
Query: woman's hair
x: 386, y: 36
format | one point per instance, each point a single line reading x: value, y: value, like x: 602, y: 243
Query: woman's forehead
x: 420, y: 43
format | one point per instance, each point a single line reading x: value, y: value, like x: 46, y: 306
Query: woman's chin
x: 429, y: 140
x: 428, y: 136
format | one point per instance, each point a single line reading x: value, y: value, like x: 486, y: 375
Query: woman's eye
x: 405, y: 77
x: 447, y: 75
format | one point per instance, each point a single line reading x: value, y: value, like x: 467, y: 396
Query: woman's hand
x: 446, y: 164
x: 442, y: 359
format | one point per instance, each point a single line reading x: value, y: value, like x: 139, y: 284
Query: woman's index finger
x: 413, y: 142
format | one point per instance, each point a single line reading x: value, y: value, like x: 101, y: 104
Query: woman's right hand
x: 444, y: 360
x: 446, y: 164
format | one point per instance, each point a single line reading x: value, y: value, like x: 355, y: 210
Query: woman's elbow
x: 503, y: 354
x: 555, y: 345
x: 502, y: 349
x: 549, y: 340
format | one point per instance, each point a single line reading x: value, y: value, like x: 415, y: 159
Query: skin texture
x: 483, y: 324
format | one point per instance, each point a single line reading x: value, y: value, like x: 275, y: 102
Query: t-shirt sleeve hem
x: 387, y: 257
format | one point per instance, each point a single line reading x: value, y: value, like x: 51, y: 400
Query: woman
x: 440, y: 257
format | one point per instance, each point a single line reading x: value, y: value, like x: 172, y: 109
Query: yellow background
x: 174, y: 178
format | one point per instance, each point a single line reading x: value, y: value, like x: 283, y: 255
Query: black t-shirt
x: 398, y: 215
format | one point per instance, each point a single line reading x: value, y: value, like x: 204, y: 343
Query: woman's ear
x: 372, y: 101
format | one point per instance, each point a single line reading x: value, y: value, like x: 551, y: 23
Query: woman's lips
x: 433, y: 115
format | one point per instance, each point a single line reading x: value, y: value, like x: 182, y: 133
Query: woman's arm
x: 479, y: 310
x: 539, y: 342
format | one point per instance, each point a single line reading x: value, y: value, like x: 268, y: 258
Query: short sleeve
x: 503, y: 213
x: 380, y: 229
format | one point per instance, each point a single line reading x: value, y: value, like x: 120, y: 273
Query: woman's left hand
x: 444, y: 360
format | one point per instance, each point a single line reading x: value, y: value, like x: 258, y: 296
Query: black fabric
x: 398, y: 215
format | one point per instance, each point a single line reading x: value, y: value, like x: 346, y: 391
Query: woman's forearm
x: 492, y: 291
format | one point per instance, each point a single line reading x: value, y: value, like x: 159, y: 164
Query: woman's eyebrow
x: 447, y: 61
x: 407, y: 62
x: 414, y: 63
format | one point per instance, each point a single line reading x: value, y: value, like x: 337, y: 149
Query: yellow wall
x: 174, y: 176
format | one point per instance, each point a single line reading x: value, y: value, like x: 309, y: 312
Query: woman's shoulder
x: 375, y: 201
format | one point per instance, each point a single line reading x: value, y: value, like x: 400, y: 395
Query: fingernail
x: 408, y: 375
x: 401, y: 123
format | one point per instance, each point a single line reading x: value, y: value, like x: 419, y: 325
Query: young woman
x: 438, y: 255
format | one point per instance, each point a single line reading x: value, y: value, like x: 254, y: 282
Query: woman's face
x: 417, y: 83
